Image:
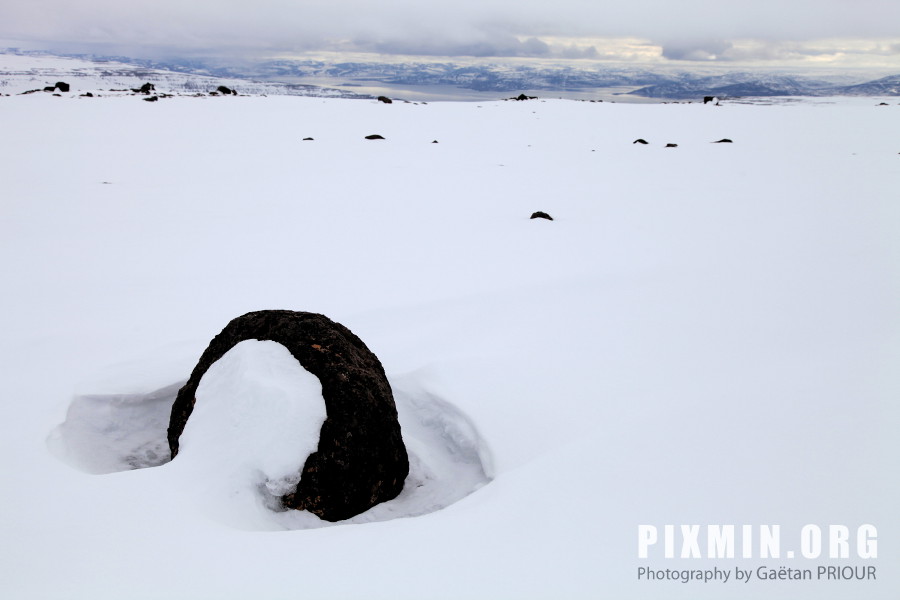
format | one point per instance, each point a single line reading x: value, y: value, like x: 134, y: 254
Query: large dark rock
x: 62, y: 86
x: 361, y: 460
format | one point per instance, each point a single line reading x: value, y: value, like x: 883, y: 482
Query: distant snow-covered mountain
x: 646, y: 82
x: 733, y: 85
x: 18, y: 71
x: 886, y: 86
x: 26, y: 72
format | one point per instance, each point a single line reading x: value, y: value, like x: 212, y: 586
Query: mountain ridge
x: 286, y: 76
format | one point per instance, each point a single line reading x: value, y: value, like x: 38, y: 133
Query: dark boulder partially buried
x: 361, y: 460
x: 540, y: 215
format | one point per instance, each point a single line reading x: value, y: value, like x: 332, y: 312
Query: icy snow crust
x: 704, y: 334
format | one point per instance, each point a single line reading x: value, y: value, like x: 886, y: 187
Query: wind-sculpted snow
x: 105, y: 433
x: 257, y: 418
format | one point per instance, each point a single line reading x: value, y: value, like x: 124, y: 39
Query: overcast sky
x: 814, y: 31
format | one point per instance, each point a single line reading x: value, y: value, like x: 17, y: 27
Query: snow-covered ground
x: 22, y: 73
x: 705, y: 334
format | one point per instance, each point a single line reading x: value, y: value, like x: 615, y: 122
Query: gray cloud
x: 691, y: 29
x: 499, y: 44
x: 697, y: 50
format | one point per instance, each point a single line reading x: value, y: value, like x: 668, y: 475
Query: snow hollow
x: 703, y: 334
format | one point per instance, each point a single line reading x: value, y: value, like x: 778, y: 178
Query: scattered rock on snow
x: 361, y: 460
x: 541, y: 215
x: 144, y: 89
x: 61, y: 86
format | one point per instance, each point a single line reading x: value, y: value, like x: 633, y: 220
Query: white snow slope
x: 20, y: 73
x: 705, y: 335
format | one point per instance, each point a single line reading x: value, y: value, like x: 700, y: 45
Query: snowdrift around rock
x: 241, y: 445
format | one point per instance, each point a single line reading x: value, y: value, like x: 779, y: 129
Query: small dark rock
x: 87, y: 95
x: 50, y: 88
x: 434, y: 141
x: 361, y: 460
x: 374, y: 136
x: 151, y: 99
x: 639, y: 141
x: 385, y: 99
x: 524, y: 97
x: 671, y: 145
x: 723, y: 141
x: 708, y: 99
x: 144, y: 89
x: 307, y: 139
x: 541, y: 215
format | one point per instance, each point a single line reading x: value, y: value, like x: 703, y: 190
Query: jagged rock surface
x: 361, y: 459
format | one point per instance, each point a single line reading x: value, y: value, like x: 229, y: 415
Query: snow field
x: 703, y: 334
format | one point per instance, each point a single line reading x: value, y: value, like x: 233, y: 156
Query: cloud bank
x: 692, y: 30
